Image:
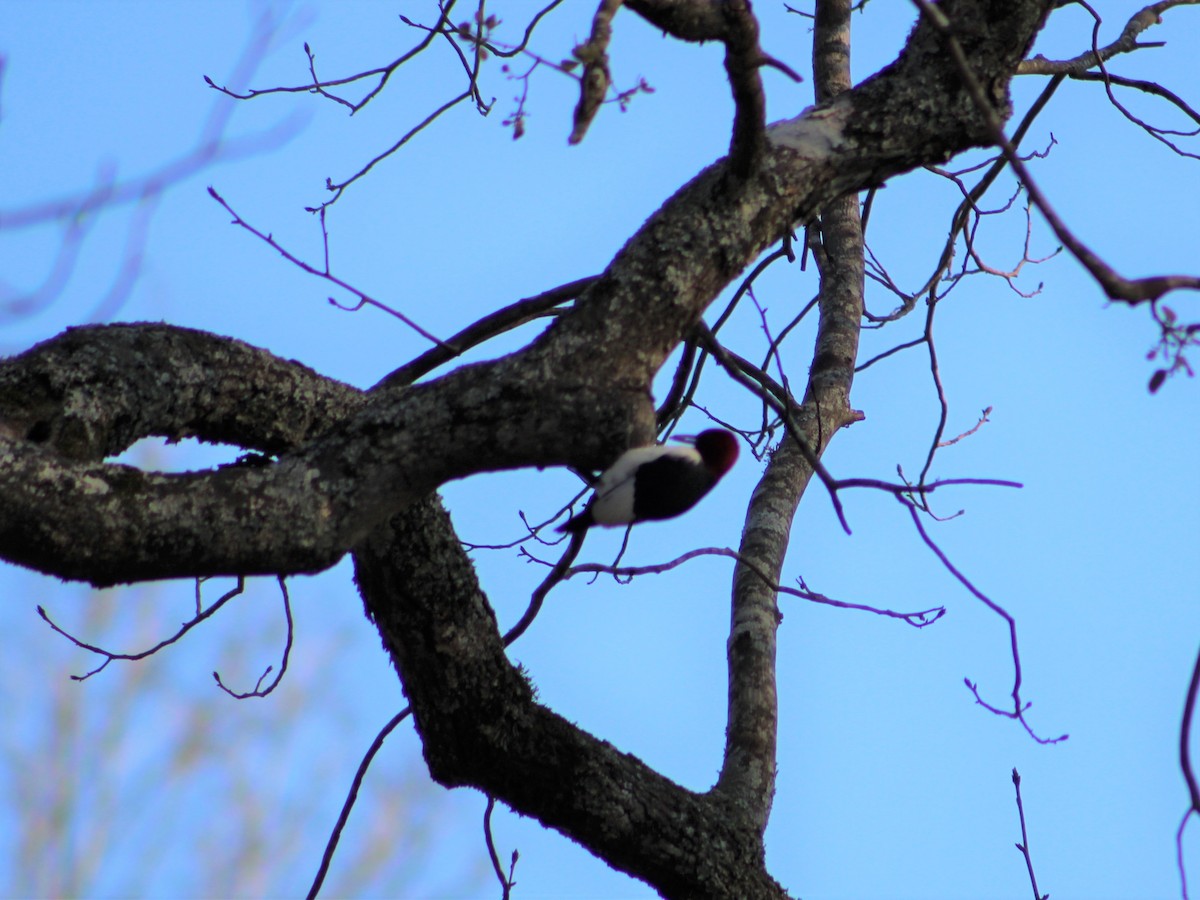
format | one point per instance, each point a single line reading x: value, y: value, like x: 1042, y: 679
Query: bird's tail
x: 576, y: 524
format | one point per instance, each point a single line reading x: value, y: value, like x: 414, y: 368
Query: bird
x: 658, y: 482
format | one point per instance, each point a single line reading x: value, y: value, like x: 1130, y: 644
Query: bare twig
x: 259, y: 690
x: 917, y: 619
x: 1189, y: 773
x: 1116, y: 287
x: 338, y: 188
x: 1019, y: 706
x: 1147, y: 87
x: 958, y: 221
x: 186, y: 627
x: 734, y: 371
x: 907, y: 345
x: 351, y: 797
x: 363, y: 298
x: 906, y: 490
x: 316, y: 86
x: 1159, y: 134
x: 983, y: 420
x: 506, y: 881
x: 557, y: 574
x: 1125, y: 43
x: 943, y: 404
x: 680, y: 400
x: 478, y: 42
x: 1024, y: 845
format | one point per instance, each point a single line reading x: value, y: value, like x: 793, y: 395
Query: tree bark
x: 357, y: 471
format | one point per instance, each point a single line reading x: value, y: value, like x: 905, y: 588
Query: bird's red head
x: 718, y: 448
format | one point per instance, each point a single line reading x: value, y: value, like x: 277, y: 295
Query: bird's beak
x: 685, y: 438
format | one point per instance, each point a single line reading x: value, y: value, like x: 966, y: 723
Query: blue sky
x: 892, y: 782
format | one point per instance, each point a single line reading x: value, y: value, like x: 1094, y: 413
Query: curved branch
x: 109, y: 656
x: 1126, y: 42
x: 92, y: 391
x: 480, y: 726
x: 733, y: 24
x: 576, y: 395
x: 351, y: 796
x: 485, y: 329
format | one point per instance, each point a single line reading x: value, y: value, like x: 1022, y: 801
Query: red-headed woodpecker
x: 658, y: 482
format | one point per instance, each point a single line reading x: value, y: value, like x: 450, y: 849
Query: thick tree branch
x: 576, y: 395
x: 748, y: 772
x: 594, y: 82
x: 108, y: 523
x: 357, y: 470
x: 480, y: 726
x: 91, y: 392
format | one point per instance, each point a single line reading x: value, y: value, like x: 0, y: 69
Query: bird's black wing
x: 668, y: 486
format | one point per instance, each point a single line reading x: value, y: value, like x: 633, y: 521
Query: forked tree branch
x: 579, y: 391
x: 1117, y: 287
x: 1126, y: 42
x: 357, y: 470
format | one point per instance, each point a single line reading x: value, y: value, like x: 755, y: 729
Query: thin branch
x: 484, y: 329
x: 1116, y: 286
x: 917, y: 619
x: 1185, y: 738
x: 317, y: 86
x: 907, y: 345
x: 672, y: 407
x: 943, y: 404
x: 1189, y: 773
x: 1127, y: 42
x: 905, y: 490
x: 1179, y: 851
x: 351, y: 797
x: 533, y: 23
x: 259, y: 690
x: 1146, y: 87
x: 506, y: 881
x: 337, y: 189
x: 363, y: 298
x: 737, y: 369
x: 557, y: 573
x: 1149, y: 16
x: 186, y: 627
x: 1024, y: 845
x: 734, y: 371
x: 532, y: 532
x: 679, y: 403
x: 983, y: 420
x: 958, y: 221
x: 1019, y: 707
